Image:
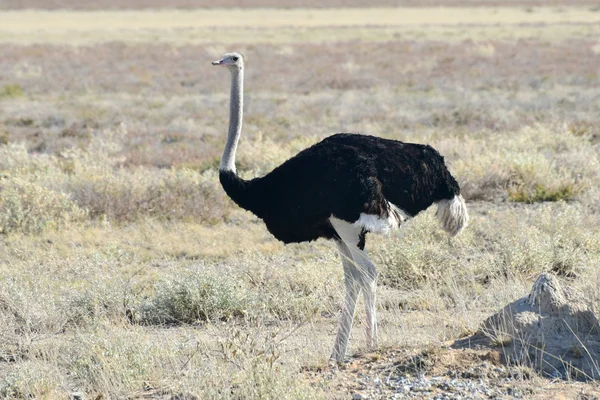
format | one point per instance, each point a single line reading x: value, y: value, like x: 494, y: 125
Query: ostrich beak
x: 218, y: 62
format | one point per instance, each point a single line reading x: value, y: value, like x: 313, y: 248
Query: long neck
x: 240, y: 190
x: 235, y: 120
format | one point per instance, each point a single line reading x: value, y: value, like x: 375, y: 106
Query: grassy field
x: 257, y: 26
x: 126, y: 272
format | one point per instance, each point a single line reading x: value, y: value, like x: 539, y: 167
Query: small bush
x: 191, y: 299
x: 31, y: 380
x: 84, y: 308
x: 27, y: 207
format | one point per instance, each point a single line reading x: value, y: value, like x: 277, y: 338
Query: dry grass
x: 191, y: 4
x: 19, y: 22
x: 300, y: 25
x: 173, y: 106
x: 126, y: 272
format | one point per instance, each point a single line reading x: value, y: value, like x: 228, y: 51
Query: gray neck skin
x: 235, y: 120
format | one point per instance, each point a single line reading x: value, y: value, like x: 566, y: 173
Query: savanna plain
x: 126, y: 272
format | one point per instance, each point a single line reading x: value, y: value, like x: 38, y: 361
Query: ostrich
x: 342, y: 188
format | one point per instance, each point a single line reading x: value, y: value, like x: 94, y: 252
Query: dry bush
x: 504, y: 244
x: 542, y: 193
x: 240, y: 291
x: 192, y: 298
x: 538, y: 163
x: 115, y: 363
x: 28, y: 207
x: 260, y: 155
x: 32, y: 380
x: 41, y: 192
x: 127, y: 195
x: 96, y: 181
x: 26, y: 204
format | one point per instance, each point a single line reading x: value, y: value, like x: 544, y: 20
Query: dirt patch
x: 442, y: 373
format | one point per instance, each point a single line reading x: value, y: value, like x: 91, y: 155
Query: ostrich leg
x: 352, y: 291
x: 359, y: 274
x: 369, y: 285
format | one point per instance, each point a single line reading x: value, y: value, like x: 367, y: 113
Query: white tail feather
x: 453, y: 214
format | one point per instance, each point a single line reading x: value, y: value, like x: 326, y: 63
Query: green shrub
x: 12, y: 91
x: 541, y: 193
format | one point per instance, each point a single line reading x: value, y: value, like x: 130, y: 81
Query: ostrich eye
x: 234, y: 58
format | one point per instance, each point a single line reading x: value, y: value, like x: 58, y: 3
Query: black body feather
x: 344, y: 175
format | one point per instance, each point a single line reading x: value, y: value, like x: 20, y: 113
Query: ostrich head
x: 233, y: 61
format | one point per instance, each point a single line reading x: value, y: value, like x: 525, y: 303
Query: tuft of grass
x: 501, y: 339
x: 4, y: 138
x: 542, y: 193
x: 11, y: 91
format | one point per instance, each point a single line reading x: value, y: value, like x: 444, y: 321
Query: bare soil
x: 442, y: 373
